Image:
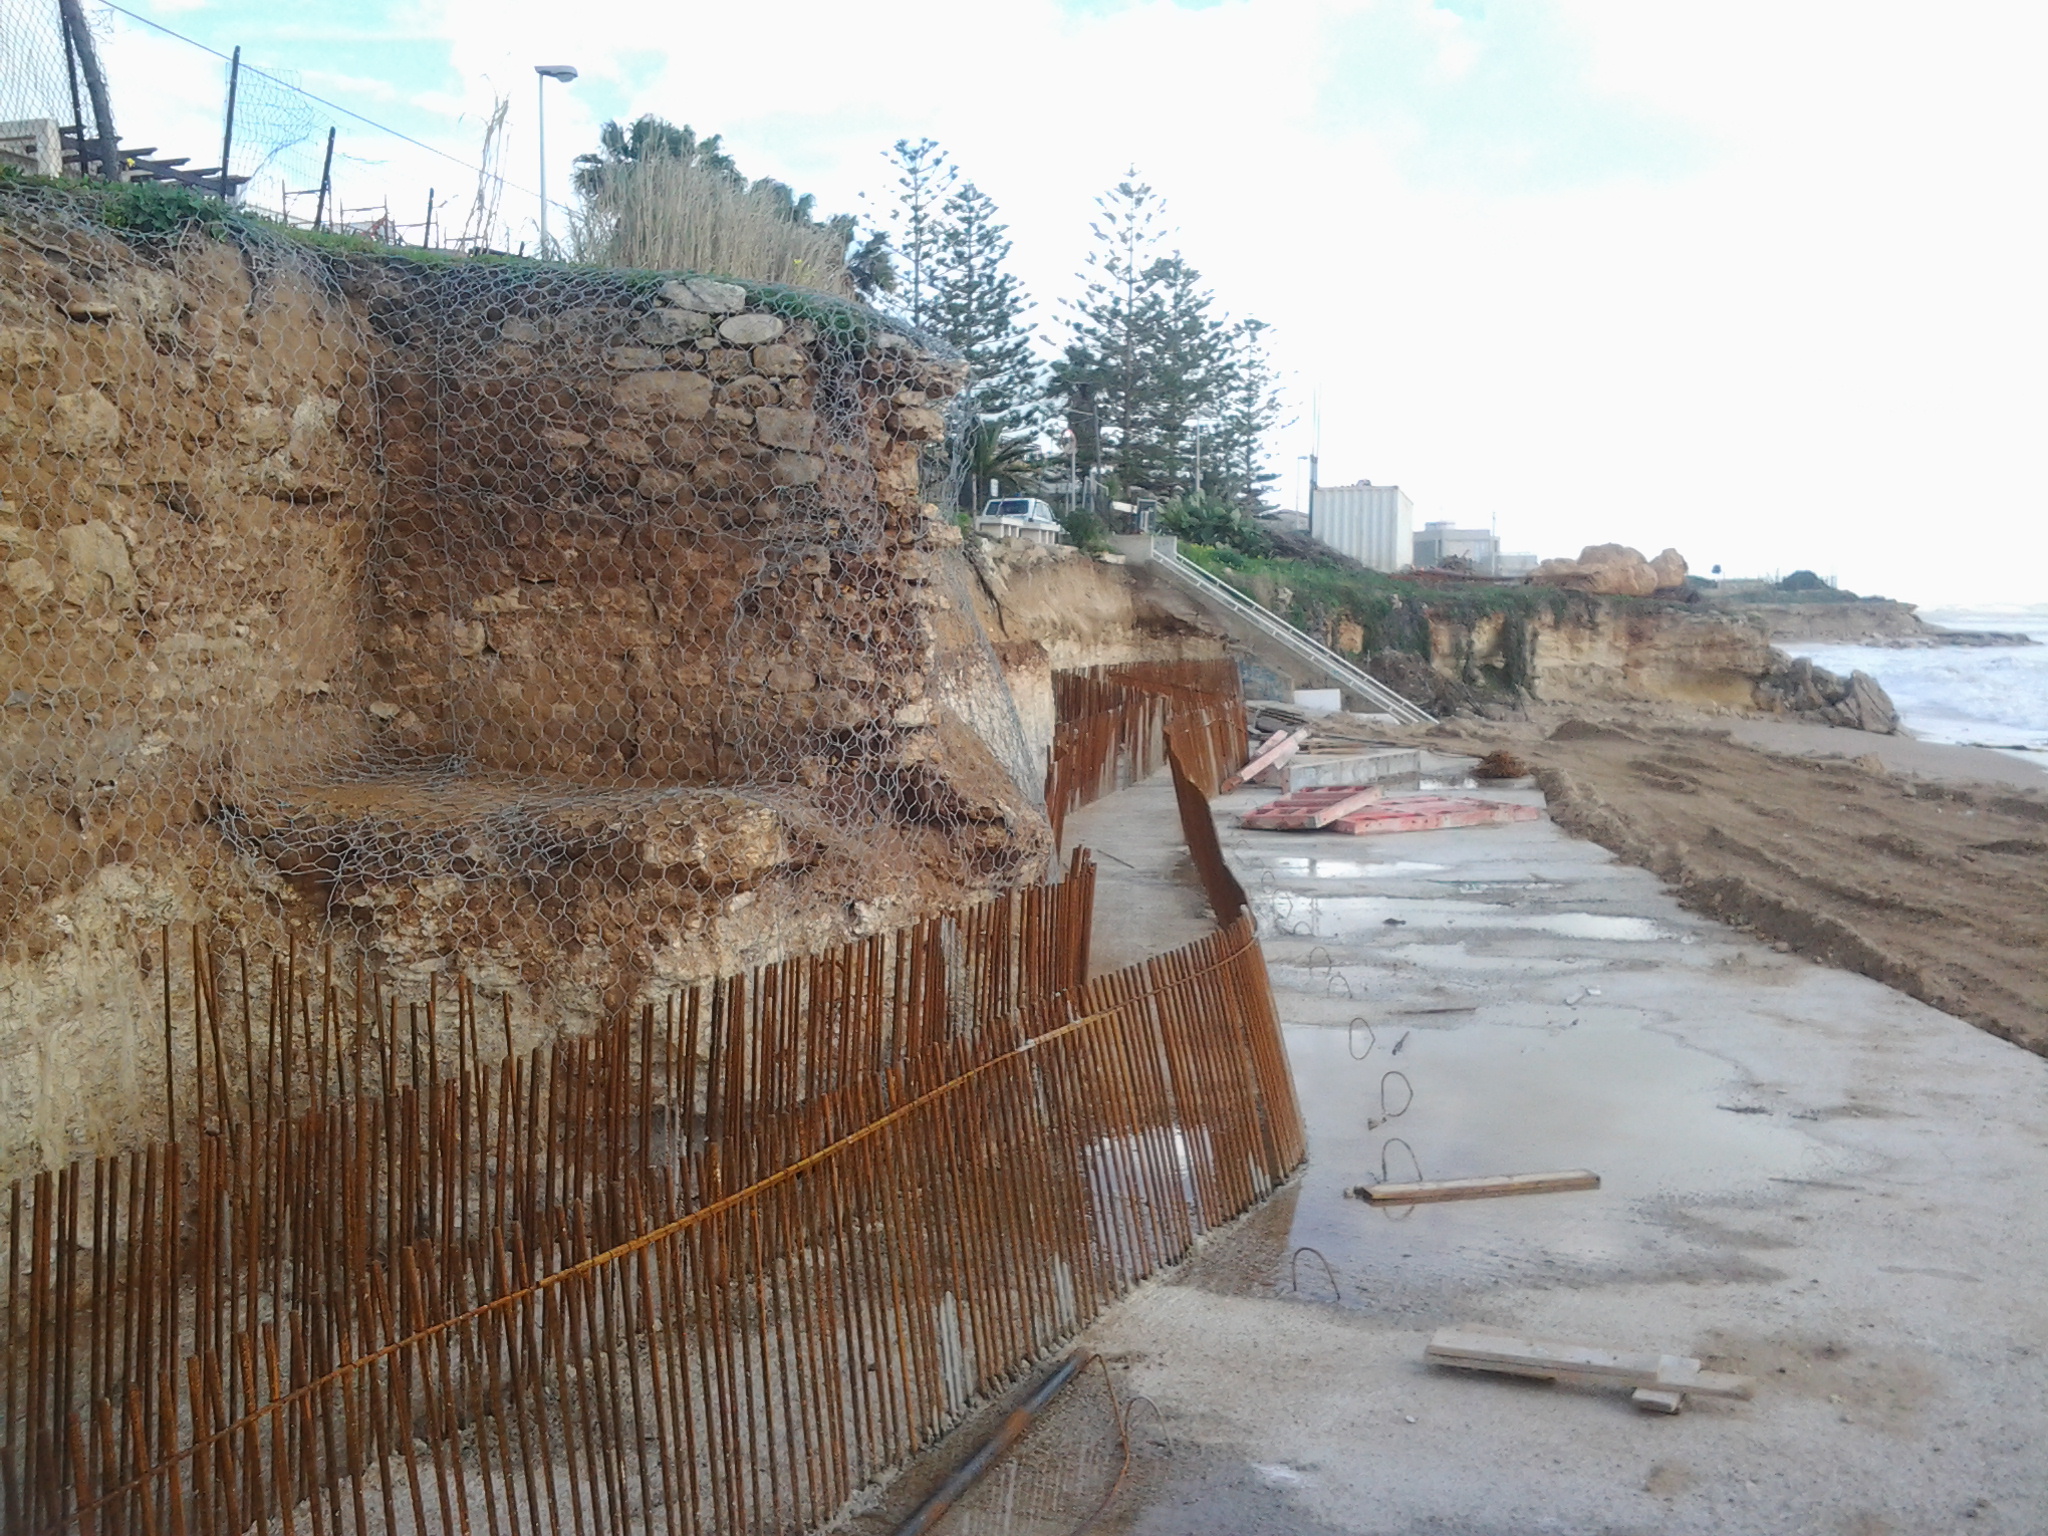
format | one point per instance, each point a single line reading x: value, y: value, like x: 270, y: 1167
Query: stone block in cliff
x: 98, y: 561
x: 751, y: 330
x: 680, y: 396
x: 83, y: 424
x: 780, y: 428
x: 704, y: 295
x: 721, y: 838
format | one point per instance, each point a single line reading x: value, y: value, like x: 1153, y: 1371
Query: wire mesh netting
x: 523, y: 621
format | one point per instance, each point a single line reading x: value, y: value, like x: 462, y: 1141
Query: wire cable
x: 251, y: 69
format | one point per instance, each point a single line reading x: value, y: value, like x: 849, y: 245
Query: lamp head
x: 562, y: 72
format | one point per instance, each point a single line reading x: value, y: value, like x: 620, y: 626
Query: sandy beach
x: 1920, y: 865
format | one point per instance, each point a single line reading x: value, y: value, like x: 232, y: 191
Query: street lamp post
x: 1196, y: 429
x: 544, y: 73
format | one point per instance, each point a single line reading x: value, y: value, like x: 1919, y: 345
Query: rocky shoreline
x: 1936, y: 638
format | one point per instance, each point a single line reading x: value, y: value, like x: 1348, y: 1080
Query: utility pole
x: 227, y: 136
x: 80, y: 35
x: 543, y: 73
x: 77, y: 106
x: 326, y: 181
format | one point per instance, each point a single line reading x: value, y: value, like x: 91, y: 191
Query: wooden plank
x: 1306, y: 809
x: 1469, y: 1349
x: 1484, y: 1188
x: 1283, y: 746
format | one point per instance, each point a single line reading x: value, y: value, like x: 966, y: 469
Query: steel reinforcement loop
x: 1390, y: 1143
x: 1294, y: 1271
x: 1168, y: 974
x: 1372, y: 1039
x: 1409, y: 1100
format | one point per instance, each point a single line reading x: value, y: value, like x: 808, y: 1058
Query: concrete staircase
x: 1240, y: 614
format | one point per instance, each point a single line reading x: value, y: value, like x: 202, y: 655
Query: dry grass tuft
x: 669, y: 214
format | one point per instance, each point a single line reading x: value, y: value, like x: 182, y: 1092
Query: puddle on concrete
x: 1634, y: 1106
x: 1335, y: 916
x: 1352, y: 869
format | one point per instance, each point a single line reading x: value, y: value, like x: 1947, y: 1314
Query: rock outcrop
x: 1614, y: 570
x: 1795, y: 686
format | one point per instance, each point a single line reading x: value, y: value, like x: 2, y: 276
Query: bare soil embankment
x: 1938, y: 889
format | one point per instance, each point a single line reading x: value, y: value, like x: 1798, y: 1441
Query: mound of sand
x: 1938, y: 889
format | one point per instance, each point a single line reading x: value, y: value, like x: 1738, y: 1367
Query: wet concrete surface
x: 1807, y: 1177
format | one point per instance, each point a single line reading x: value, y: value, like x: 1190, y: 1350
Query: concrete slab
x: 1310, y: 770
x: 1809, y: 1178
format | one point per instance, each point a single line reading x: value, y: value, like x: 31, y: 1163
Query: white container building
x: 1373, y: 524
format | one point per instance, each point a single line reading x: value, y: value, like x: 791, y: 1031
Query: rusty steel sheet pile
x: 713, y: 1267
x: 1114, y: 725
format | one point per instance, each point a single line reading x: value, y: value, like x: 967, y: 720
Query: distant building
x: 32, y: 145
x: 1515, y: 564
x: 1373, y: 524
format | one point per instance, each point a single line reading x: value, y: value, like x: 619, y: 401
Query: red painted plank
x: 1282, y: 746
x: 1425, y: 813
x: 1307, y: 809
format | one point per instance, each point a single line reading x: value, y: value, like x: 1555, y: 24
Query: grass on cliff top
x: 153, y: 210
x: 1319, y: 594
x: 1394, y: 616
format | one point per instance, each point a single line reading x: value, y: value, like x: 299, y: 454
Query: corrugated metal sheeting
x: 1373, y: 524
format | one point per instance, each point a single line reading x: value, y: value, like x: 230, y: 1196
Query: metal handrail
x: 1303, y: 645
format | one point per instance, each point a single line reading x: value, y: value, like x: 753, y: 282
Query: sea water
x: 1985, y: 696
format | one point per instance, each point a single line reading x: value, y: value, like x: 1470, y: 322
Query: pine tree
x: 1248, y: 408
x: 1181, y: 350
x: 978, y: 307
x: 926, y: 178
x: 1103, y: 375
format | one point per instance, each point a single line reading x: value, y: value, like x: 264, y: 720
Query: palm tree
x: 649, y: 138
x: 1010, y: 458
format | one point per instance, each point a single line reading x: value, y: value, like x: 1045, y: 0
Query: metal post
x: 540, y: 92
x: 73, y: 12
x: 227, y: 136
x: 427, y: 230
x: 543, y: 73
x: 77, y: 106
x: 326, y: 182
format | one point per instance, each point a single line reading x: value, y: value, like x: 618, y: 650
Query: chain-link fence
x: 290, y: 154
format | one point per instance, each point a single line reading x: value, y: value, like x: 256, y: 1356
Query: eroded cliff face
x: 1599, y: 650
x: 1049, y: 608
x: 571, y: 631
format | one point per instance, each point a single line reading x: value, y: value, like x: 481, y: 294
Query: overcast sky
x: 1761, y: 281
